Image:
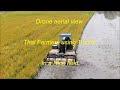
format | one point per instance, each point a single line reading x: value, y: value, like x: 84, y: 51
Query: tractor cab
x: 65, y: 36
x: 65, y: 42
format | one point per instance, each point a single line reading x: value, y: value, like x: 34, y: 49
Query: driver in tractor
x: 65, y: 46
x: 68, y: 45
x: 62, y: 45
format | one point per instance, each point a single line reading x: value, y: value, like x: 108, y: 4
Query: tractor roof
x: 65, y: 35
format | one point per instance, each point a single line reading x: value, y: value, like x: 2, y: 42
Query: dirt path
x: 100, y: 61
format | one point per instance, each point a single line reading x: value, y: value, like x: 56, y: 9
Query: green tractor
x: 64, y: 51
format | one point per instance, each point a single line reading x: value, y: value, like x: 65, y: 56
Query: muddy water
x: 101, y: 60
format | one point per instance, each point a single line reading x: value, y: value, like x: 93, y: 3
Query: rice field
x: 20, y: 61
